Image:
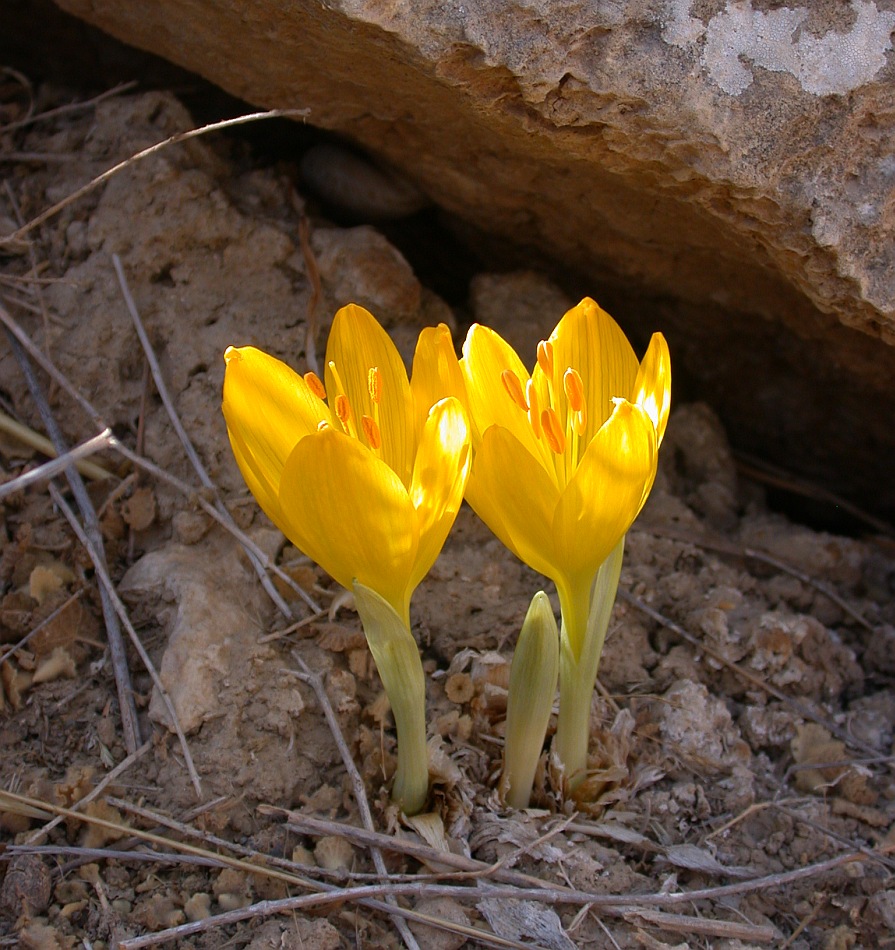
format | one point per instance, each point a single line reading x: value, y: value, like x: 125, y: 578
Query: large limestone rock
x: 722, y: 170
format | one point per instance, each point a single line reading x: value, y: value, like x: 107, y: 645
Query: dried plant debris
x: 741, y: 741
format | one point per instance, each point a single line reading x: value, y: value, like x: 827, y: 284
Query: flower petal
x: 349, y: 512
x: 269, y: 404
x: 516, y: 497
x: 652, y: 388
x: 436, y: 372
x: 356, y: 344
x: 439, y: 480
x: 590, y: 341
x: 605, y: 494
x: 268, y: 409
x: 486, y: 355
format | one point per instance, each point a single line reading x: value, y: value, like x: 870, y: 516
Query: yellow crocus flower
x: 564, y: 459
x: 364, y: 472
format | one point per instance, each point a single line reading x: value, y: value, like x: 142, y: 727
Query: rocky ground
x: 743, y: 729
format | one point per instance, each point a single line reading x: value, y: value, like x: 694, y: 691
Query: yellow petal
x: 349, y: 512
x: 605, y: 494
x: 439, y: 480
x: 652, y: 388
x: 356, y: 344
x: 268, y: 409
x: 591, y: 342
x: 436, y: 372
x: 516, y: 497
x: 269, y: 404
x: 255, y: 475
x: 486, y: 355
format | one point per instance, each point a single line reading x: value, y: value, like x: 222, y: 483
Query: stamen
x: 574, y: 388
x: 534, y: 414
x: 513, y: 385
x: 580, y: 423
x: 315, y: 385
x: 374, y: 384
x: 343, y: 409
x: 553, y: 433
x: 545, y: 358
x: 371, y: 431
x: 322, y: 424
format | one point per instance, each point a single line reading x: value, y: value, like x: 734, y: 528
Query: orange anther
x: 574, y: 388
x: 374, y: 384
x: 371, y: 431
x: 545, y: 358
x: 534, y: 414
x: 343, y: 409
x: 553, y: 433
x: 580, y: 423
x: 315, y: 385
x: 513, y: 385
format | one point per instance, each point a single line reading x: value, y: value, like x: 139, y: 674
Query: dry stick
x: 468, y: 867
x: 357, y: 783
x: 58, y: 465
x: 107, y: 585
x: 151, y: 150
x: 70, y: 107
x: 113, y: 854
x: 128, y: 710
x: 190, y: 491
x: 122, y: 766
x: 185, y: 440
x: 44, y: 623
x: 684, y: 923
x: 757, y: 681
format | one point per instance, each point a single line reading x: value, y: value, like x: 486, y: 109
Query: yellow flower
x: 564, y: 459
x: 365, y: 474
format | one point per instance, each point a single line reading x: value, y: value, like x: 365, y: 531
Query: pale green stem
x: 583, y: 625
x: 397, y: 659
x: 530, y: 699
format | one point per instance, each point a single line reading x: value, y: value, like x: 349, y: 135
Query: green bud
x: 533, y: 676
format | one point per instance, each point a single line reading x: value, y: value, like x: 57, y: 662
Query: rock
x: 27, y: 886
x: 209, y: 600
x: 432, y: 937
x: 721, y: 172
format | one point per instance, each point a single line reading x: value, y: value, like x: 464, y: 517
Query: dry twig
x: 69, y: 107
x: 59, y: 462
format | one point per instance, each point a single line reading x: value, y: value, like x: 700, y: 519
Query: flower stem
x: 578, y: 673
x: 530, y: 699
x: 397, y: 659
